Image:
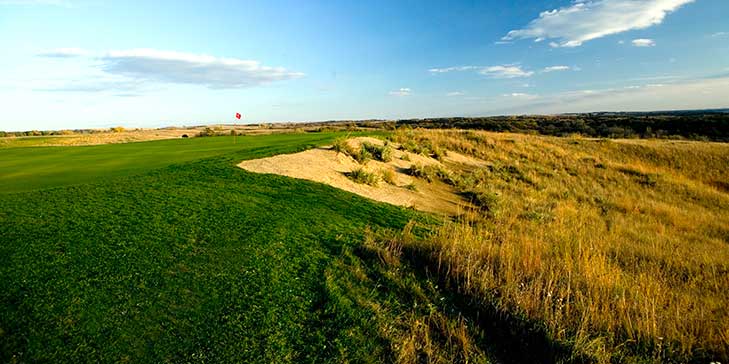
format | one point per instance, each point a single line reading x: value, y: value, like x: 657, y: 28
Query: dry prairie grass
x: 97, y: 138
x: 618, y: 249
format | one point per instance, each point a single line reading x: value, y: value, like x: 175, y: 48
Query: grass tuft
x: 380, y: 153
x: 388, y: 176
x: 360, y: 175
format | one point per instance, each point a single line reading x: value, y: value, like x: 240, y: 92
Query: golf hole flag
x: 237, y: 115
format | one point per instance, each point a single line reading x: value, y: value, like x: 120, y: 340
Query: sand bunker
x: 327, y: 166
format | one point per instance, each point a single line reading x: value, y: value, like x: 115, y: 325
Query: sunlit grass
x: 618, y: 248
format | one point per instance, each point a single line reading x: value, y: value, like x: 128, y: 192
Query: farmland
x: 569, y: 250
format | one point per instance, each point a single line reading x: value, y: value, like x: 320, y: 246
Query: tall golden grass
x: 618, y: 248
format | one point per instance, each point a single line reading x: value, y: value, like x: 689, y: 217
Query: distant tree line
x: 707, y: 125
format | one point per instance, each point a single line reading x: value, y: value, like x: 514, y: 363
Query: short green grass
x: 165, y: 252
x: 31, y: 168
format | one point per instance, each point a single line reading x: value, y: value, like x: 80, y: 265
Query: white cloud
x: 63, y: 53
x: 642, y: 42
x: 586, y: 20
x: 404, y: 91
x: 453, y: 69
x: 137, y: 66
x: 505, y: 71
x: 719, y: 34
x: 455, y: 93
x: 556, y: 69
x: 521, y: 95
x: 187, y: 68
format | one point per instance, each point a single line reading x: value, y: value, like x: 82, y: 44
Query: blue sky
x: 76, y: 63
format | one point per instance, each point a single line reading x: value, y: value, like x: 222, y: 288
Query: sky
x: 70, y: 64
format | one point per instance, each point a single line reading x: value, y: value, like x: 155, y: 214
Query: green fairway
x: 195, y: 261
x: 31, y: 168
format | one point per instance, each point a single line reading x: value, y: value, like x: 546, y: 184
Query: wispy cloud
x: 144, y: 66
x: 505, y: 71
x: 521, y: 95
x: 36, y: 2
x: 586, y: 20
x: 556, y: 69
x: 401, y: 92
x: 720, y: 34
x: 63, y: 53
x: 687, y: 94
x: 642, y: 42
x: 186, y: 68
x: 455, y: 93
x: 454, y: 69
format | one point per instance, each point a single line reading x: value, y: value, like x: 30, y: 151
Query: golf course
x: 169, y: 251
x: 165, y: 252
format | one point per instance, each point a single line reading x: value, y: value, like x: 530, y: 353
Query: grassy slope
x: 185, y: 262
x: 617, y: 249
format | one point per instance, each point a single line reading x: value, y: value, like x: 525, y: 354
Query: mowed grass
x: 190, y: 260
x: 32, y: 168
x: 617, y: 251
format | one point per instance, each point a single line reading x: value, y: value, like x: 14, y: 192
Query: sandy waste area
x: 327, y: 166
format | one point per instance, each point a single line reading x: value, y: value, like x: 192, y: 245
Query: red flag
x: 237, y: 116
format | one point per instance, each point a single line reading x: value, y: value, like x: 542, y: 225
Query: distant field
x: 95, y: 138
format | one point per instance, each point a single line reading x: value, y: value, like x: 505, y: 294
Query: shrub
x: 416, y: 170
x: 486, y: 200
x: 360, y: 175
x: 340, y: 146
x: 510, y: 173
x: 388, y: 176
x: 362, y: 156
x: 439, y: 153
x: 380, y: 153
x: 413, y: 147
x: 207, y: 132
x: 431, y: 173
x: 444, y: 175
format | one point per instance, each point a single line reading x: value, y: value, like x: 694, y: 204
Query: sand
x: 327, y: 166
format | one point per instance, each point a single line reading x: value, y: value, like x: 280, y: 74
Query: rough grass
x: 361, y: 175
x: 388, y: 175
x: 381, y: 153
x: 616, y: 249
